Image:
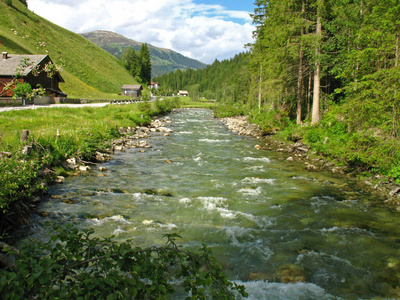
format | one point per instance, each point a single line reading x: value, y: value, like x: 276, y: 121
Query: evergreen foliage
x: 138, y: 64
x: 225, y: 81
x: 318, y: 62
x: 145, y: 70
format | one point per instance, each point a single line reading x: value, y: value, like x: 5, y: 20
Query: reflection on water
x: 284, y: 232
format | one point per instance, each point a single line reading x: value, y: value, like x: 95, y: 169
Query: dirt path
x: 8, y: 108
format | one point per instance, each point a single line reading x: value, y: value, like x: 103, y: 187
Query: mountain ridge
x: 163, y: 60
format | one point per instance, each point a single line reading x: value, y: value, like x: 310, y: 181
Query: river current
x: 282, y: 231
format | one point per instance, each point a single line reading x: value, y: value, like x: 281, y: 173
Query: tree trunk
x: 259, y: 90
x: 317, y: 73
x: 309, y: 95
x: 396, y: 64
x: 300, y: 79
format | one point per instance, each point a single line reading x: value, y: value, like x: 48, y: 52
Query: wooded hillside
x: 330, y: 64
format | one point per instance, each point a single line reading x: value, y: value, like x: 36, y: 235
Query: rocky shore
x: 131, y: 137
x: 298, y: 151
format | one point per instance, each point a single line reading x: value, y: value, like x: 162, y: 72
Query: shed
x: 30, y: 69
x: 183, y: 93
x: 133, y: 90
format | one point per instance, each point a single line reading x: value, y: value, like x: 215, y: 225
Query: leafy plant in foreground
x: 75, y: 265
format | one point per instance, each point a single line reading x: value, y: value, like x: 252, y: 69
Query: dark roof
x: 133, y: 87
x: 9, y: 66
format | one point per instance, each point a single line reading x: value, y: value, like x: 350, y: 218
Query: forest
x: 323, y: 71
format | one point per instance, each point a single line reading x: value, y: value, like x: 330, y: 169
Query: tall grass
x: 61, y: 133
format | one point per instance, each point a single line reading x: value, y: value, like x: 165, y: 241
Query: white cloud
x: 204, y: 32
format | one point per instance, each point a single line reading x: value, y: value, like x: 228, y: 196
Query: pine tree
x: 145, y: 71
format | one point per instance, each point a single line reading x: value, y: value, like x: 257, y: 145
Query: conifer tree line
x: 138, y: 63
x: 227, y: 80
x: 308, y: 55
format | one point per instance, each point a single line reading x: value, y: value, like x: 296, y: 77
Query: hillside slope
x: 162, y: 60
x: 88, y: 70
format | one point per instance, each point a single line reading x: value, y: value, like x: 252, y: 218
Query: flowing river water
x: 282, y: 231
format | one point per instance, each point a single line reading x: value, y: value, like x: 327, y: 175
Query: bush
x: 75, y: 265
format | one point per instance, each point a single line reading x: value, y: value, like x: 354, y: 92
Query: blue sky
x: 246, y: 5
x: 201, y: 29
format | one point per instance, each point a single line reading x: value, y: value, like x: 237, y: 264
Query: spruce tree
x: 145, y: 72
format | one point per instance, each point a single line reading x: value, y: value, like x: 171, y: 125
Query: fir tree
x: 145, y: 71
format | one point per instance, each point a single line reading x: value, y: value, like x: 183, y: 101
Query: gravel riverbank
x: 315, y: 162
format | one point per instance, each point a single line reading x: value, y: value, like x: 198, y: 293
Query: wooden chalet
x: 132, y: 90
x: 183, y: 93
x: 33, y: 74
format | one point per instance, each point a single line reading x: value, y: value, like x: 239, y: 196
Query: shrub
x: 75, y: 265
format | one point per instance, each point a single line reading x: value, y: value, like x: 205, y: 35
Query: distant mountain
x: 162, y: 60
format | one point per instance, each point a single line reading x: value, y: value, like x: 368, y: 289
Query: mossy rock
x: 291, y: 273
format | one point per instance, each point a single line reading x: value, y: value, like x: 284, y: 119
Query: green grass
x: 186, y: 102
x: 89, y: 71
x: 60, y: 133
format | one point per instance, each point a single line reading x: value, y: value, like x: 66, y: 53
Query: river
x: 282, y: 231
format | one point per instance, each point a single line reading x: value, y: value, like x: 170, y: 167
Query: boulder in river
x: 291, y: 273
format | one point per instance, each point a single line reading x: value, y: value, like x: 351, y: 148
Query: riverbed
x: 282, y: 231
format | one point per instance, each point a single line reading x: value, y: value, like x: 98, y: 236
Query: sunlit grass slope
x: 89, y: 71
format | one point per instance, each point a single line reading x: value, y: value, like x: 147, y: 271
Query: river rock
x: 291, y: 273
x: 241, y: 126
x: 394, y: 191
x: 164, y: 129
x: 27, y: 150
x: 299, y: 147
x: 338, y: 170
x: 103, y: 157
x: 118, y: 142
x: 83, y: 168
x: 290, y: 159
x: 311, y: 167
x: 102, y: 169
x: 142, y: 144
x: 59, y: 179
x: 70, y: 163
x: 69, y: 201
x: 119, y: 148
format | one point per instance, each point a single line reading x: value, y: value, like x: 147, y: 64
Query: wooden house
x: 154, y: 85
x: 183, y: 93
x: 30, y: 69
x: 132, y: 90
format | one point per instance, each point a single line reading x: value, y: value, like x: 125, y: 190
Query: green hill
x: 163, y: 60
x: 88, y: 70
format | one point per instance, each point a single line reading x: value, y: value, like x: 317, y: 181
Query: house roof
x: 9, y: 66
x: 132, y: 87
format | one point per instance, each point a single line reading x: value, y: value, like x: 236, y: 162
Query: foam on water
x: 214, y: 141
x: 252, y: 159
x: 256, y: 180
x: 118, y: 231
x: 256, y: 168
x: 263, y: 290
x: 117, y: 218
x: 250, y: 191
